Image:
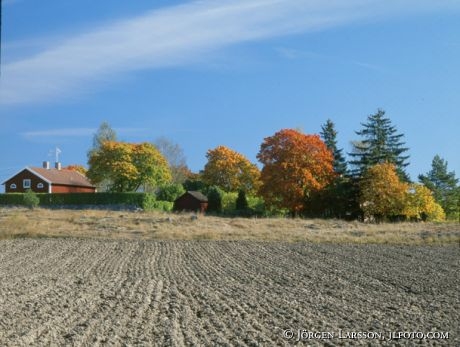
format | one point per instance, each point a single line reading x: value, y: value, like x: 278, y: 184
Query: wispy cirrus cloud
x: 74, y: 132
x: 67, y: 132
x: 297, y: 54
x: 177, y: 35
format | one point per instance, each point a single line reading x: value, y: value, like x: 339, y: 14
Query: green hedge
x: 14, y: 199
x: 145, y: 201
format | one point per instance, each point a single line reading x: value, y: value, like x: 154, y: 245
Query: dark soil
x: 191, y: 293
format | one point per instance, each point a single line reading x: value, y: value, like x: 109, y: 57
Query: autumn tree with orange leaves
x: 230, y: 171
x: 295, y: 166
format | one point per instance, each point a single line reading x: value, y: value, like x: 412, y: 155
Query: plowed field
x: 83, y: 292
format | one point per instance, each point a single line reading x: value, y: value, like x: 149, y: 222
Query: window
x: 13, y: 186
x: 40, y: 185
x: 26, y: 183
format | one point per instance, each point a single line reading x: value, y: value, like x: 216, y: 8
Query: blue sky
x: 228, y: 72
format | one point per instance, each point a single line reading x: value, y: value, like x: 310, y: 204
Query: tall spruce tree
x: 337, y: 199
x: 380, y: 143
x: 443, y: 184
x: 329, y: 136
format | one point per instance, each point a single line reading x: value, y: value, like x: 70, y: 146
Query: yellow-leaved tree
x: 383, y: 195
x: 76, y: 167
x: 128, y: 166
x: 230, y: 171
x: 421, y: 205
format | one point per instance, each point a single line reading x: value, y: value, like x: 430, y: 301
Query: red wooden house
x: 47, y: 180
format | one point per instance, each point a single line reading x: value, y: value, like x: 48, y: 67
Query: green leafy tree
x: 443, y: 184
x: 170, y: 192
x: 195, y: 183
x: 228, y: 201
x: 340, y: 199
x: 380, y: 144
x: 128, y: 166
x: 329, y: 136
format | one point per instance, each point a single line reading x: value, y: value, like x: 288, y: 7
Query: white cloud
x: 297, y: 54
x: 53, y: 133
x: 368, y: 66
x: 75, y: 132
x: 175, y: 36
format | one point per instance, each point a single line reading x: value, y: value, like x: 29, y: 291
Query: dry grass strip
x: 107, y: 224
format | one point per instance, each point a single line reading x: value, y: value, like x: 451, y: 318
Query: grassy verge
x: 17, y: 222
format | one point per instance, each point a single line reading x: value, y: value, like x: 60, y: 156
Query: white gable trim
x: 38, y: 175
x: 33, y: 173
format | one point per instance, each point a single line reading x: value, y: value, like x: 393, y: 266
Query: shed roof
x: 197, y: 195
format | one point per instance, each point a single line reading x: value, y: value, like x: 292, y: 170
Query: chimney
x: 57, y: 165
x: 46, y: 165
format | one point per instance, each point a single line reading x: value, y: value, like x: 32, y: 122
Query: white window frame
x: 26, y: 183
x: 40, y: 185
x: 13, y: 186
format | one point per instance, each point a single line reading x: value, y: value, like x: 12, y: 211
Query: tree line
x: 301, y: 175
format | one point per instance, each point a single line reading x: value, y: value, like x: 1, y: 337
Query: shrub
x: 214, y: 199
x: 148, y: 202
x: 166, y: 206
x: 228, y: 201
x: 241, y: 201
x: 30, y: 199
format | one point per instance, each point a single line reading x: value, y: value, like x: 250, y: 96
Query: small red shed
x: 46, y: 180
x: 191, y: 201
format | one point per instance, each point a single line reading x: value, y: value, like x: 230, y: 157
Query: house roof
x: 65, y: 177
x: 54, y: 176
x: 197, y: 195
